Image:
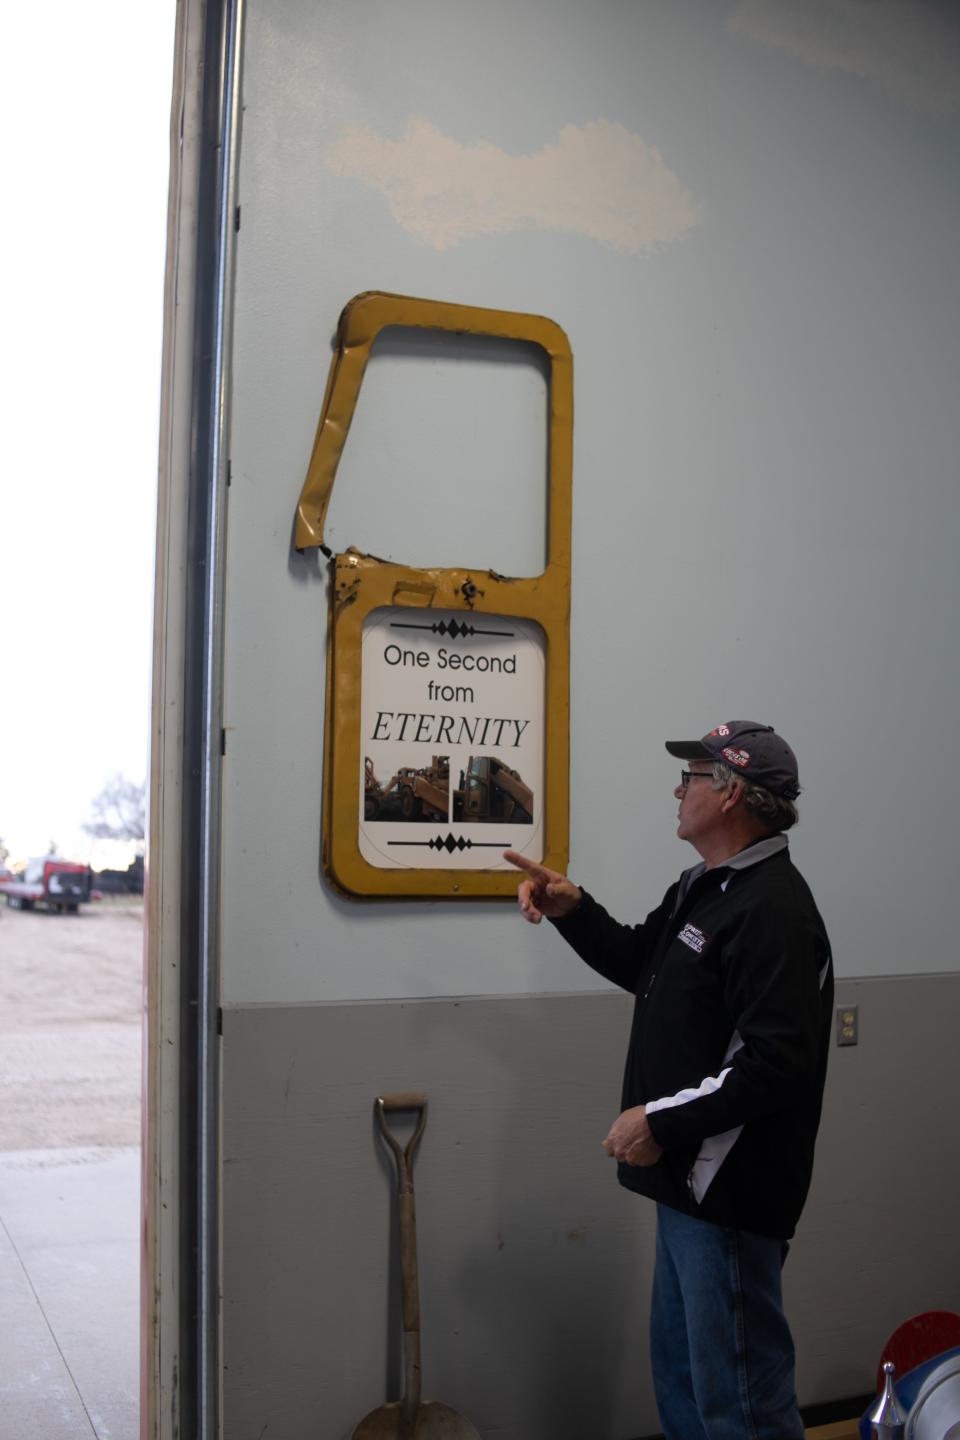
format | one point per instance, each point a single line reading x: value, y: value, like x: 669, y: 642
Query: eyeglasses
x: 687, y: 775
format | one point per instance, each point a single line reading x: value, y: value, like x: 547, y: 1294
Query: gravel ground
x: 70, y: 1015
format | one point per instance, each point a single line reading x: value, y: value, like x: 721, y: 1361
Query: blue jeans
x: 720, y: 1344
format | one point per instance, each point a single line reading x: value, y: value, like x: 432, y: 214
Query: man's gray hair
x: 776, y: 812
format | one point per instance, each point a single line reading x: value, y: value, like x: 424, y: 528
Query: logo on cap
x: 736, y: 757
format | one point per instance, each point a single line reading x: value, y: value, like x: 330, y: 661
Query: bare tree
x: 119, y: 811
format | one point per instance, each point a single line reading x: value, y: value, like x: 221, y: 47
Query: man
x: 724, y: 1079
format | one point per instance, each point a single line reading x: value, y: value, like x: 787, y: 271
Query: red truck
x: 58, y: 884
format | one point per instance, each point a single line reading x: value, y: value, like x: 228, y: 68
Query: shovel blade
x: 435, y: 1421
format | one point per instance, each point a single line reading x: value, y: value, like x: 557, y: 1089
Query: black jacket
x: 730, y: 1037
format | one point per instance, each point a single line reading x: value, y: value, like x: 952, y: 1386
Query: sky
x: 85, y: 106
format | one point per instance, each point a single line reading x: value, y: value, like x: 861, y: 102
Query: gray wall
x: 748, y: 231
x: 535, y: 1264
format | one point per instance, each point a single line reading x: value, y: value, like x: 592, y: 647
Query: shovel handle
x: 388, y: 1104
x: 406, y: 1100
x: 409, y: 1284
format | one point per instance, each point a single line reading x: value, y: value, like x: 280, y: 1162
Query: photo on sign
x: 491, y: 791
x: 411, y: 793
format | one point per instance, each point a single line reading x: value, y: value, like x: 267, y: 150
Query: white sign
x: 452, y: 739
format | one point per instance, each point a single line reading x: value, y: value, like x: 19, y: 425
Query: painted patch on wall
x: 598, y: 180
x: 906, y: 47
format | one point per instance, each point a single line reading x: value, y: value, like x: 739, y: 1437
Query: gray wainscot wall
x: 535, y: 1264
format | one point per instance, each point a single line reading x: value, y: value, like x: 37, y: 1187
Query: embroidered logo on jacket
x: 693, y: 937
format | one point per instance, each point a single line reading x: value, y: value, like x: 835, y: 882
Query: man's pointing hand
x: 544, y: 892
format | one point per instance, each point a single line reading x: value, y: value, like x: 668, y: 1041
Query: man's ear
x: 733, y: 797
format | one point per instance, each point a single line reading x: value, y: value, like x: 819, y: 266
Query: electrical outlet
x: 848, y: 1025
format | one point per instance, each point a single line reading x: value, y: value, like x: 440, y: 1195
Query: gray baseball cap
x: 755, y: 751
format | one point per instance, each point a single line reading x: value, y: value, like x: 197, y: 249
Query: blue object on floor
x: 908, y: 1386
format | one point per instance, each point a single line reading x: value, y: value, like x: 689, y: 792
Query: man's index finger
x: 530, y: 866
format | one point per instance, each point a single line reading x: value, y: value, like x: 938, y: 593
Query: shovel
x: 410, y: 1418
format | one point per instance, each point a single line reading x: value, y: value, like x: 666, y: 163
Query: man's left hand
x: 631, y: 1140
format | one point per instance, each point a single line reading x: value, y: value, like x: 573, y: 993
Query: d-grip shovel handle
x: 409, y: 1285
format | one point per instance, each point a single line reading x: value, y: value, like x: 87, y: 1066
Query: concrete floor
x: 69, y: 1293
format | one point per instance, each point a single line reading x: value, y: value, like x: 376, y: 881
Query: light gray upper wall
x: 749, y: 235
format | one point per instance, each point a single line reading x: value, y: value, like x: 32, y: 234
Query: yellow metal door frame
x: 362, y: 583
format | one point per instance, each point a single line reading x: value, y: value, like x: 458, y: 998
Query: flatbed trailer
x: 60, y: 885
